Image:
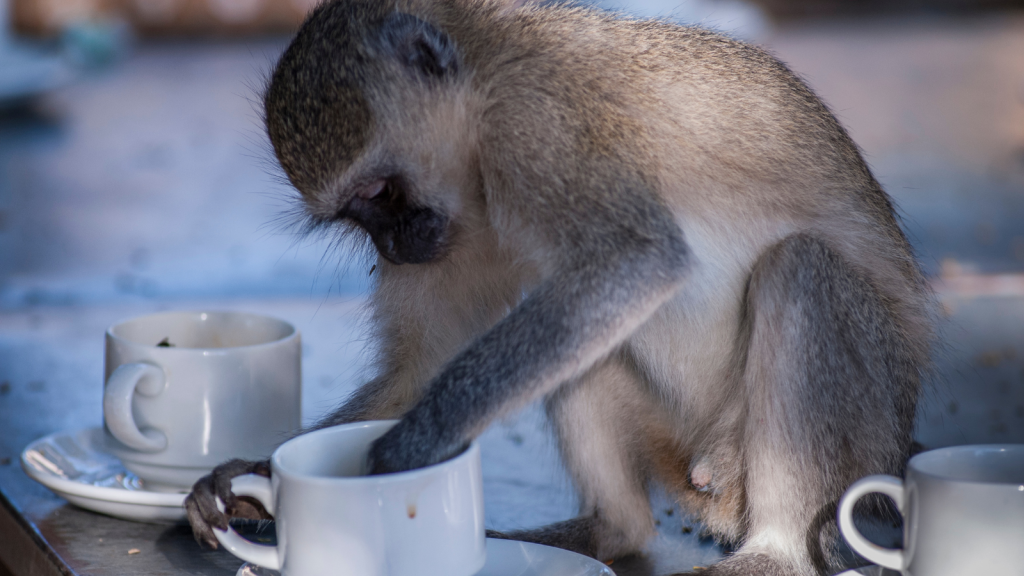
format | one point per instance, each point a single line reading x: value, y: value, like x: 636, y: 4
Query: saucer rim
x: 599, y: 566
x: 108, y: 494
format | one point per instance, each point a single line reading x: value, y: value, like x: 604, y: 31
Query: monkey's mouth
x: 403, y: 233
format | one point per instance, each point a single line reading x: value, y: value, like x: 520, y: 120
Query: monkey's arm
x: 373, y: 400
x: 617, y: 274
x: 369, y: 402
x: 421, y: 316
x: 419, y: 320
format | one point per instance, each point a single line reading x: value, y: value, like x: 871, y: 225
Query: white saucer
x: 75, y: 466
x: 509, y: 558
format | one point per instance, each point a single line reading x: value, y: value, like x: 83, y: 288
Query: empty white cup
x: 963, y: 513
x: 333, y: 519
x: 224, y: 385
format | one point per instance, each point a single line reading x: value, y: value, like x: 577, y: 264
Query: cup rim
x: 470, y: 452
x: 180, y: 349
x: 937, y: 452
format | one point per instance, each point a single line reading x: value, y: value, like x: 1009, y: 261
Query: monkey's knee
x: 848, y: 365
x: 798, y: 264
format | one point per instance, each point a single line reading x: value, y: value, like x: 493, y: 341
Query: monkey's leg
x: 831, y: 382
x: 596, y: 421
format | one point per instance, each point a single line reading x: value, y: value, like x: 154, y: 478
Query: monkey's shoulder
x: 582, y: 70
x: 587, y: 45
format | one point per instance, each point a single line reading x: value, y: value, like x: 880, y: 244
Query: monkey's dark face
x: 402, y: 233
x: 320, y: 113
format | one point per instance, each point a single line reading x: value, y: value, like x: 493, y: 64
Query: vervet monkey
x: 659, y: 230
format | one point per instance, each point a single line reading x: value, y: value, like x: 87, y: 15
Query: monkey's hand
x: 411, y: 445
x: 201, y: 504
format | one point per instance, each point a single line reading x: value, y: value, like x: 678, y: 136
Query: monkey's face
x: 403, y: 233
x: 351, y: 66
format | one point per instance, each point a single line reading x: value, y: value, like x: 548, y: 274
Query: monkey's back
x: 740, y: 150
x: 738, y: 146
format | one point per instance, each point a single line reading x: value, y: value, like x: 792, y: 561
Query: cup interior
x: 203, y: 329
x: 996, y: 464
x: 339, y: 452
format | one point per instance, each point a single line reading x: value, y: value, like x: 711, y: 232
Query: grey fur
x: 716, y: 288
x: 577, y: 535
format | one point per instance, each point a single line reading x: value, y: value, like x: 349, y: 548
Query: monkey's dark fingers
x: 202, y: 523
x: 221, y: 480
x: 202, y: 527
x: 201, y: 504
x: 250, y: 509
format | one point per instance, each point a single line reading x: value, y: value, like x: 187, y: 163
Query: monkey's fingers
x: 221, y: 482
x: 201, y: 520
x: 201, y: 504
x: 250, y: 509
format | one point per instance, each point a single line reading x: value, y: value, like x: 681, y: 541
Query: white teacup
x: 963, y: 513
x: 222, y: 385
x: 333, y: 519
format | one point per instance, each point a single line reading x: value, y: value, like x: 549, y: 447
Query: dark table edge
x: 23, y: 549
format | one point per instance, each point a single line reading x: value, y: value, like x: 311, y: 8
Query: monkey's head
x: 354, y: 111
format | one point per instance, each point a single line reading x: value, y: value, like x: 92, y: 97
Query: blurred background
x: 135, y: 176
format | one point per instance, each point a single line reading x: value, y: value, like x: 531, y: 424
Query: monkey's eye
x: 372, y: 190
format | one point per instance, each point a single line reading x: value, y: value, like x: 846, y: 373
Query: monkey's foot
x: 750, y: 565
x: 576, y: 535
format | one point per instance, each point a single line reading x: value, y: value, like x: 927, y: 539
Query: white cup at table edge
x: 963, y: 513
x: 332, y: 519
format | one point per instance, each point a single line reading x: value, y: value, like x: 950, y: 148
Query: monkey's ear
x: 419, y: 45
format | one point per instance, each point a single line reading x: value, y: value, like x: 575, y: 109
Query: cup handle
x: 259, y: 488
x: 892, y: 487
x: 126, y: 381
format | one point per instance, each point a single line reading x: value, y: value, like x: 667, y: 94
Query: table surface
x: 91, y: 182
x: 60, y: 351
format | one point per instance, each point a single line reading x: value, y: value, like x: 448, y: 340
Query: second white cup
x: 331, y: 518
